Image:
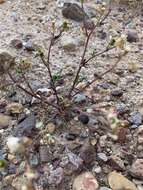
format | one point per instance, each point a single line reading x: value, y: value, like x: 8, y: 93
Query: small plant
x: 64, y: 100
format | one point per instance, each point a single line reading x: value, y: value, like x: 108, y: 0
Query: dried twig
x: 99, y: 76
x: 29, y: 92
x: 47, y: 65
x: 82, y: 63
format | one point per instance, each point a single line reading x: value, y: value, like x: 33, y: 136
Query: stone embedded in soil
x: 137, y: 169
x: 132, y: 37
x: 122, y: 135
x: 29, y: 46
x: 80, y: 98
x: 87, y: 153
x: 122, y: 108
x: 83, y: 118
x: 16, y: 43
x: 5, y: 121
x: 105, y: 188
x: 102, y: 156
x: 68, y: 43
x: 117, y: 93
x: 71, y: 136
x: 76, y: 161
x: 56, y: 176
x: 116, y: 163
x: 74, y: 12
x: 117, y: 182
x: 135, y: 118
x: 15, y: 108
x: 26, y: 127
x: 7, y: 61
x: 85, y: 181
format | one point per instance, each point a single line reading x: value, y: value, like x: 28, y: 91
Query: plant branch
x: 82, y: 63
x: 47, y: 65
x: 98, y: 54
x: 99, y: 76
x: 29, y: 92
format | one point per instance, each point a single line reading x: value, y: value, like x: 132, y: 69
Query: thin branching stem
x: 99, y: 76
x: 83, y: 60
x: 82, y: 63
x: 29, y: 92
x: 47, y: 65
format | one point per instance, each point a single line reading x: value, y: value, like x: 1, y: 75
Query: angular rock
x: 74, y: 12
x: 16, y: 43
x: 75, y: 160
x: 26, y: 127
x: 14, y: 108
x: 87, y: 153
x: 7, y: 61
x: 102, y: 156
x: 116, y: 163
x: 117, y: 182
x: 29, y: 46
x: 137, y: 169
x: 104, y: 188
x: 80, y: 98
x: 132, y: 37
x: 56, y: 176
x: 117, y: 92
x: 85, y: 181
x: 5, y: 121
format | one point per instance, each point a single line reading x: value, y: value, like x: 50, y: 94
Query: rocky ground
x: 100, y: 146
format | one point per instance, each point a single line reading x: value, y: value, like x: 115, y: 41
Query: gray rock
x: 7, y: 61
x: 80, y: 98
x: 74, y: 12
x: 122, y: 108
x: 26, y: 126
x: 104, y: 188
x: 117, y: 93
x: 132, y: 37
x: 135, y: 118
x: 83, y: 118
x: 56, y: 176
x: 29, y: 46
x: 102, y: 156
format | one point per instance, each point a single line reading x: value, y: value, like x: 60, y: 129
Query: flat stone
x: 7, y: 61
x: 26, y: 127
x: 85, y: 181
x: 5, y: 121
x: 137, y: 169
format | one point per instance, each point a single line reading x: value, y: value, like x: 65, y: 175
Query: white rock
x: 68, y: 43
x: 15, y: 145
x: 85, y: 181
